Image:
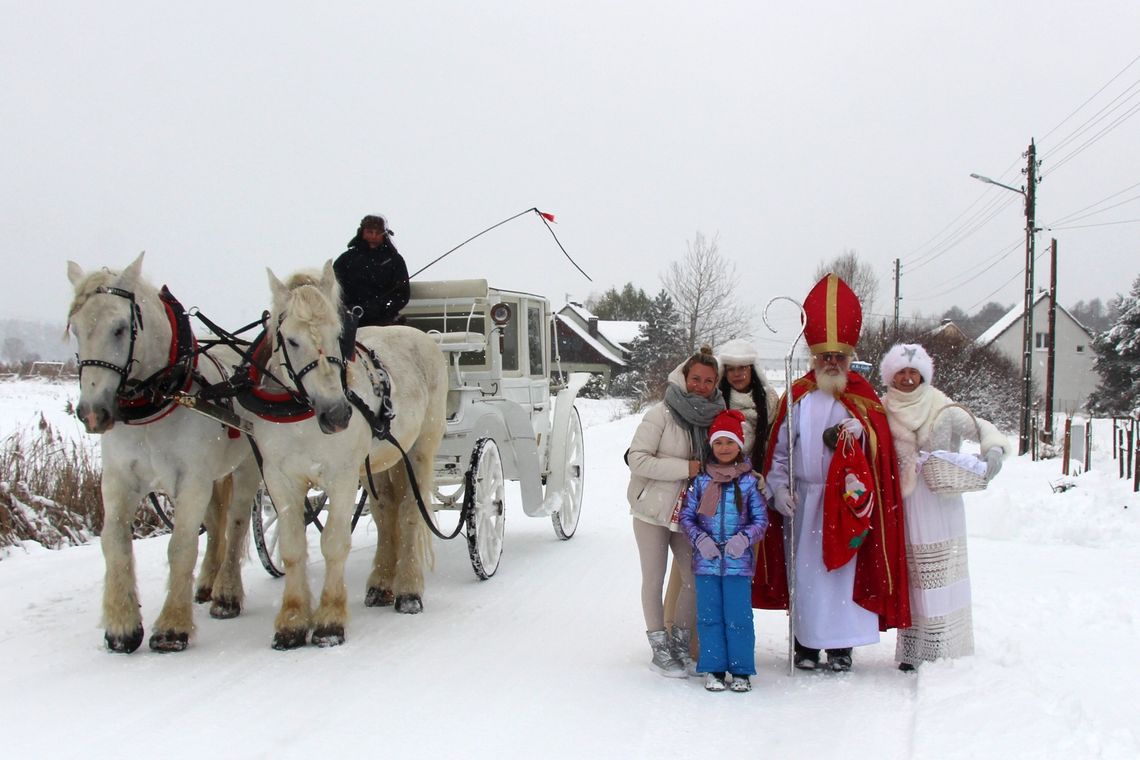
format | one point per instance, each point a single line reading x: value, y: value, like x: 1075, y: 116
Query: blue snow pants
x: 724, y: 625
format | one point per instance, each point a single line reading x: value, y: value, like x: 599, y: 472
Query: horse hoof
x: 124, y: 644
x: 379, y: 597
x: 329, y: 636
x: 285, y: 640
x: 409, y: 604
x: 225, y: 608
x: 203, y: 595
x: 169, y: 641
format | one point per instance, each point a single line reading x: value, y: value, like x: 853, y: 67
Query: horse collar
x: 148, y: 400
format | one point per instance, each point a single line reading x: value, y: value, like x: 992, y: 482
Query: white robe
x: 826, y: 615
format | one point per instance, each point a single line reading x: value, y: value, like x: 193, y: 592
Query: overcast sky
x: 223, y: 138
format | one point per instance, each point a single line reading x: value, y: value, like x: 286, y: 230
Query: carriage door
x: 538, y: 373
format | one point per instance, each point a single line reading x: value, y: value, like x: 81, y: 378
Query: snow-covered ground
x: 548, y: 658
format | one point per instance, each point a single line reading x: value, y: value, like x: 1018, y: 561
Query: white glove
x: 784, y: 503
x: 854, y: 427
x: 993, y: 462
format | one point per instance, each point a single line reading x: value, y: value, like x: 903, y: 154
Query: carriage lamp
x: 500, y: 315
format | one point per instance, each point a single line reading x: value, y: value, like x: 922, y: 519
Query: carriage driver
x: 372, y: 274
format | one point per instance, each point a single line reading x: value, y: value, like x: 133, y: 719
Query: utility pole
x: 1050, y: 363
x: 1027, y: 321
x: 896, y: 299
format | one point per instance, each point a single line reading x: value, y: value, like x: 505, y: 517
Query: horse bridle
x: 123, y: 371
x: 298, y: 376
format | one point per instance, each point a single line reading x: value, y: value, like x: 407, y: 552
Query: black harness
x: 141, y: 401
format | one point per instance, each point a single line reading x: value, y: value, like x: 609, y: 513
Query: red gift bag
x: 848, y: 499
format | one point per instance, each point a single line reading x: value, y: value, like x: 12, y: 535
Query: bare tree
x: 703, y: 286
x: 858, y: 274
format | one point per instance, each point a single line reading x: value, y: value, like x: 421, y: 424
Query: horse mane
x: 92, y: 281
x: 308, y: 303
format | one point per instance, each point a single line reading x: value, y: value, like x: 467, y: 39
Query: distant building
x: 1073, y: 375
x: 950, y: 331
x: 588, y: 344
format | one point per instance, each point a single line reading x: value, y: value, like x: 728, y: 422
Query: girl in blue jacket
x: 723, y: 516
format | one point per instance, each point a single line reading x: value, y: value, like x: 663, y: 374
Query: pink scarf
x: 719, y: 474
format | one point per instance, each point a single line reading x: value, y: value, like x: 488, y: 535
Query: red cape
x: 880, y: 572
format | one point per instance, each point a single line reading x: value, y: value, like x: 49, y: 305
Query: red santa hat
x: 834, y: 317
x: 728, y: 424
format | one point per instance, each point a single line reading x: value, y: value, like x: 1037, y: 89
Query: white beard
x: 833, y: 384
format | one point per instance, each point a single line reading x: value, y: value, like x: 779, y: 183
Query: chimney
x: 593, y: 327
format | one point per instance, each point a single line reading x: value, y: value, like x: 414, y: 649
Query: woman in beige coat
x: 666, y: 452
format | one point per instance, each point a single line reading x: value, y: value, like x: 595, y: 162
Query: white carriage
x: 502, y: 423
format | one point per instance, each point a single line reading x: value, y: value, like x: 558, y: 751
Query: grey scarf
x: 695, y: 414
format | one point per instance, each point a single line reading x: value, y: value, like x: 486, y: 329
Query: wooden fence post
x: 1066, y: 447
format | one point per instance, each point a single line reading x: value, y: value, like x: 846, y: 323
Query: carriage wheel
x: 565, y: 520
x: 265, y: 529
x: 164, y: 508
x: 266, y: 533
x: 484, y: 503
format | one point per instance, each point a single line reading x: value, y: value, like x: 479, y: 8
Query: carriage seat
x: 459, y: 342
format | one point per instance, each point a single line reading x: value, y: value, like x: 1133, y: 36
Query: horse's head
x: 107, y: 317
x: 307, y: 320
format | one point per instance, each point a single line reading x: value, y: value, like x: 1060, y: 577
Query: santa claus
x: 841, y: 608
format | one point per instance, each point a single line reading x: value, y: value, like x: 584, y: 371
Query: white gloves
x: 993, y: 462
x: 854, y: 427
x: 784, y: 502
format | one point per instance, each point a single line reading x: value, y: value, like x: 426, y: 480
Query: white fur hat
x: 903, y: 355
x: 737, y: 353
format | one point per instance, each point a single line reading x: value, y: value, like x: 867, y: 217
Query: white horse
x: 329, y: 449
x: 135, y: 348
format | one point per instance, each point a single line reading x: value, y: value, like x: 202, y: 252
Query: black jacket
x: 375, y: 279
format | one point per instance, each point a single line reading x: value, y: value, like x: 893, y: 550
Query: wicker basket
x: 946, y: 477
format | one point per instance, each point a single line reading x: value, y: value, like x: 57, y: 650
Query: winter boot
x: 805, y: 658
x: 839, y: 660
x: 663, y: 661
x: 715, y: 682
x: 680, y: 640
x: 740, y: 683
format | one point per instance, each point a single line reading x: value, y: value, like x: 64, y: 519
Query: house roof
x: 603, y: 347
x: 617, y: 333
x: 1011, y: 317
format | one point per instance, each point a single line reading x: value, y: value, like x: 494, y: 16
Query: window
x: 1080, y: 349
x: 534, y: 336
x: 511, y: 341
x: 1041, y: 340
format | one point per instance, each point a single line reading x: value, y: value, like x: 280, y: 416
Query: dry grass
x: 49, y: 491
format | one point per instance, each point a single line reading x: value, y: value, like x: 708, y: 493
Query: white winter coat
x: 659, y: 463
x: 917, y: 425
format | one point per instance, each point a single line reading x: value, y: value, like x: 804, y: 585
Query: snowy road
x: 547, y: 659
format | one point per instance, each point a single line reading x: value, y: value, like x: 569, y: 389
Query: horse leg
x: 383, y: 505
x: 295, y: 617
x: 228, y: 594
x: 122, y: 622
x: 175, y: 623
x: 215, y: 523
x: 332, y: 613
x: 413, y: 541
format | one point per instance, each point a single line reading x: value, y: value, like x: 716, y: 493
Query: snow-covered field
x: 548, y: 658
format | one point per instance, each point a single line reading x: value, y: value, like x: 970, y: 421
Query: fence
x: 1124, y: 449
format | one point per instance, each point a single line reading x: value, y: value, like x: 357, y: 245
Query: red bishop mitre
x: 834, y: 316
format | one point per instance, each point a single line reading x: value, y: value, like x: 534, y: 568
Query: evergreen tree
x: 630, y: 304
x: 657, y: 349
x: 1118, y: 359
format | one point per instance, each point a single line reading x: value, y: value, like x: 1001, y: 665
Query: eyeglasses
x: 832, y: 357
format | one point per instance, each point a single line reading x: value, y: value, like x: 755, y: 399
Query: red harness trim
x: 173, y: 357
x: 274, y: 398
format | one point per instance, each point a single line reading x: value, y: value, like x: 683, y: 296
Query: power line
x: 1096, y: 138
x: 1097, y: 117
x: 1101, y: 224
x: 1091, y: 97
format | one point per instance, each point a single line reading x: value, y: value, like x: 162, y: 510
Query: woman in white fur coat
x: 935, y: 523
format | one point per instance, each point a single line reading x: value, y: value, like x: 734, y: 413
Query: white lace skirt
x: 939, y: 579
